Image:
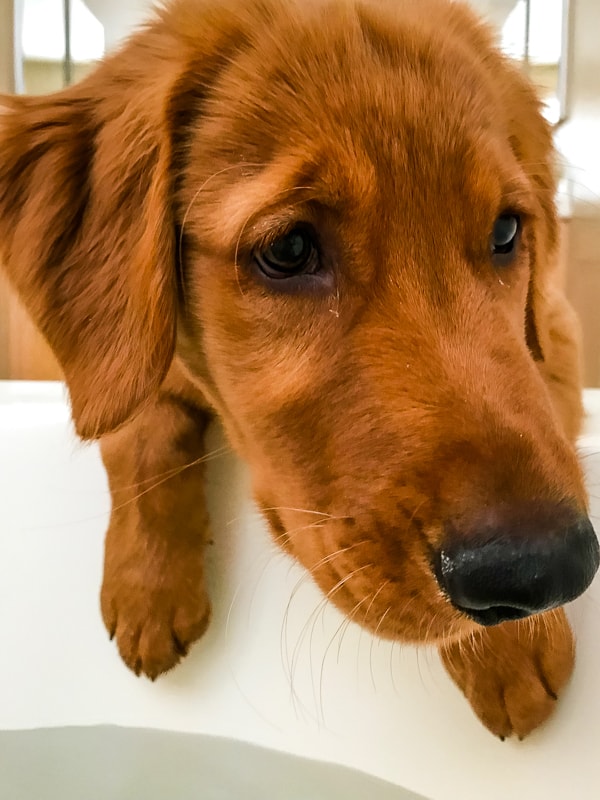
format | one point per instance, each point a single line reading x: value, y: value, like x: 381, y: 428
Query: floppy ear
x: 87, y: 230
x: 531, y: 140
x: 552, y: 329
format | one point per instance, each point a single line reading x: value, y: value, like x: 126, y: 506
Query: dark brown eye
x: 505, y: 237
x: 295, y: 253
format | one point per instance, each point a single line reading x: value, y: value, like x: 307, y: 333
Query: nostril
x: 512, y: 571
x: 494, y: 615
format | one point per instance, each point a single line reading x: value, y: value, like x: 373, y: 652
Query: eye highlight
x: 294, y: 253
x: 505, y: 237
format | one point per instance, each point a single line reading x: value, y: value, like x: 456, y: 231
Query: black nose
x: 512, y: 563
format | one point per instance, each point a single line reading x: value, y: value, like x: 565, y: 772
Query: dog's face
x: 346, y: 215
x: 363, y: 322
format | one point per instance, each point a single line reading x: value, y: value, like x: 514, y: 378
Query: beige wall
x: 42, y: 77
x: 579, y: 140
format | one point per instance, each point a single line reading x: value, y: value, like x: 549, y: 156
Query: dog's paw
x: 154, y: 626
x: 513, y: 673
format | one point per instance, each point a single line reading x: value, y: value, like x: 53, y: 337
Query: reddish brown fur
x: 419, y: 386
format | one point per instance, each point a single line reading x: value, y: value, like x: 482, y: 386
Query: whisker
x: 343, y: 626
x: 392, y: 677
x: 180, y: 265
x: 219, y: 451
x: 305, y: 577
x: 248, y: 574
x: 197, y: 194
x: 373, y: 638
x: 164, y: 477
x: 308, y: 574
x: 310, y: 623
x: 176, y: 471
x: 367, y: 612
x: 303, y: 511
x: 583, y: 456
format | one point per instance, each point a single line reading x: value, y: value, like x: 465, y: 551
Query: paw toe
x: 153, y: 639
x: 512, y: 674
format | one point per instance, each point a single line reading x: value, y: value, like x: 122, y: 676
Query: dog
x: 331, y: 224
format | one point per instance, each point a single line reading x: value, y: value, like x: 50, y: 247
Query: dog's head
x: 339, y: 217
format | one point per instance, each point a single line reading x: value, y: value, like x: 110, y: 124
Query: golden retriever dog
x: 331, y: 224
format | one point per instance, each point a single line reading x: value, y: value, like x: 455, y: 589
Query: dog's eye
x: 504, y: 237
x: 295, y: 253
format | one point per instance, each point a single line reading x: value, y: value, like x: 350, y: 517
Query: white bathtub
x: 227, y: 724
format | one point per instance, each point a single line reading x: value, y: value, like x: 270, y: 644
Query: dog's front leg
x: 513, y: 673
x: 153, y: 598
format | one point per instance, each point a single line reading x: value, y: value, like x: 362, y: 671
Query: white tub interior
x: 278, y: 676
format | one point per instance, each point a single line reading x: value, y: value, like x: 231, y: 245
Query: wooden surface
x: 23, y: 352
x: 4, y: 331
x: 6, y: 85
x: 28, y: 356
x: 583, y: 289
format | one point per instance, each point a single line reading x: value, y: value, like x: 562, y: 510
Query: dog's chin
x: 434, y: 625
